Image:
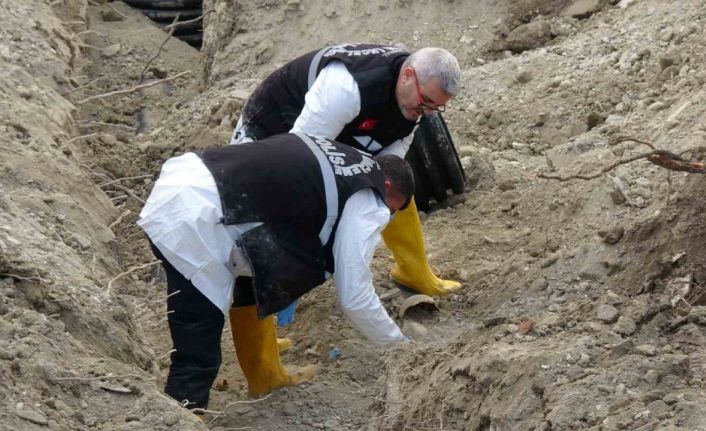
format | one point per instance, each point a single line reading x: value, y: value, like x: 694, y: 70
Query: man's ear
x: 407, y: 73
x: 388, y: 186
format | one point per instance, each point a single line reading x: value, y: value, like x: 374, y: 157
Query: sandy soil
x: 582, y: 307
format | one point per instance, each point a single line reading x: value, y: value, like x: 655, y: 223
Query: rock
x: 293, y: 5
x: 31, y: 416
x: 612, y: 298
x: 494, y: 321
x: 670, y: 399
x: 653, y: 377
x: 669, y: 73
x: 614, y: 120
x: 594, y: 119
x: 529, y: 36
x: 171, y: 419
x: 110, y: 15
x: 659, y: 409
x: 624, y: 347
x: 667, y: 60
x: 611, y: 235
x: 607, y: 313
x: 646, y: 350
x: 581, y: 9
x: 523, y: 76
x: 111, y: 50
x: 525, y: 327
x: 392, y: 293
x: 658, y: 106
x: 625, y: 326
x: 619, y: 193
x: 289, y: 409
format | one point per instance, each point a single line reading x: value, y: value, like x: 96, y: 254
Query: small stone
x: 624, y: 347
x: 529, y: 36
x: 611, y: 235
x: 289, y: 409
x: 171, y: 419
x: 111, y: 50
x: 607, y: 313
x: 658, y: 106
x: 615, y: 120
x: 390, y: 294
x: 525, y: 327
x: 581, y: 9
x: 643, y: 415
x: 110, y: 16
x: 523, y: 76
x: 494, y: 321
x: 646, y: 350
x: 653, y: 377
x: 625, y: 326
x: 659, y: 409
x: 31, y: 416
x: 612, y: 298
x: 670, y: 399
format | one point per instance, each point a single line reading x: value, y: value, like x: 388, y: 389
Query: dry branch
x: 90, y: 124
x: 132, y: 89
x: 663, y: 158
x: 119, y: 219
x: 105, y: 377
x: 117, y: 180
x: 130, y: 270
x: 19, y: 277
x: 222, y: 412
x: 76, y: 138
x: 197, y: 19
x: 159, y: 50
x: 83, y: 86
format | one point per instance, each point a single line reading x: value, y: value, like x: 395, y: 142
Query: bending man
x: 369, y: 97
x: 277, y: 218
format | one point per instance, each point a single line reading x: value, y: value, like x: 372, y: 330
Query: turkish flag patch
x: 367, y: 124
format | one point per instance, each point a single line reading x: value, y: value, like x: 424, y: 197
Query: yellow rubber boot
x: 258, y: 353
x: 404, y: 238
x: 284, y: 344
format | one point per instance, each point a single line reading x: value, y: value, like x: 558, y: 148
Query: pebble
x: 646, y: 350
x: 494, y: 321
x: 171, y: 419
x: 611, y: 235
x: 625, y: 326
x: 659, y: 409
x: 652, y: 377
x: 607, y: 313
x: 111, y: 50
x: 31, y: 416
x: 289, y: 409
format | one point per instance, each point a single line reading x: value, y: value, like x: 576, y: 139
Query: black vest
x: 277, y: 102
x: 297, y: 187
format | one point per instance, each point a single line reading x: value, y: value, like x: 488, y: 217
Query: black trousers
x: 195, y: 325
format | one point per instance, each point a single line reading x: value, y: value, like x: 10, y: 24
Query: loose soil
x: 583, y: 304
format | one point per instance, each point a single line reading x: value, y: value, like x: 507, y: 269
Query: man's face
x: 416, y: 98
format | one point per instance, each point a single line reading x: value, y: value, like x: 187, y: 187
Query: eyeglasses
x: 425, y: 103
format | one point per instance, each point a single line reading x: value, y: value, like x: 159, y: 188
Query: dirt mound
x: 583, y: 304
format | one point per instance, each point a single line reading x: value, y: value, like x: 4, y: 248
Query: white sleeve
x: 332, y: 102
x: 363, y: 218
x: 400, y: 147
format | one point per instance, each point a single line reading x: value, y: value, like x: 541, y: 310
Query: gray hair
x: 436, y: 63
